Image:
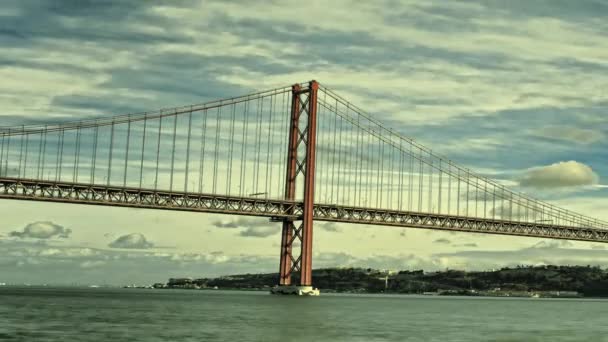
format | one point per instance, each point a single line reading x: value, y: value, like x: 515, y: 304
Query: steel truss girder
x: 78, y: 193
x: 358, y: 215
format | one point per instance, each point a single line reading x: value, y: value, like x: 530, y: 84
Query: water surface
x: 83, y: 314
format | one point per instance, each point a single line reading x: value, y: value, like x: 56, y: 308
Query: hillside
x: 585, y: 280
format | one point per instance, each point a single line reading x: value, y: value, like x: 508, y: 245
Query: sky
x: 515, y: 90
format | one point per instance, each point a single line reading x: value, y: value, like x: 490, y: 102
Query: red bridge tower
x: 303, y: 138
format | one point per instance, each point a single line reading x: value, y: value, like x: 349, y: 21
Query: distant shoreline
x: 522, y: 281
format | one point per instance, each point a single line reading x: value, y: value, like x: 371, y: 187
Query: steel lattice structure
x: 22, y: 189
x: 229, y: 156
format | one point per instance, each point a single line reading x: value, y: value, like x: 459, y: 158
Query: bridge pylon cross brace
x: 302, y: 136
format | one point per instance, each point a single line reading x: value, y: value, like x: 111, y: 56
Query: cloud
x: 330, y: 227
x: 253, y: 227
x: 570, y: 134
x: 559, y: 175
x: 471, y: 245
x: 92, y: 263
x: 28, y: 262
x: 553, y: 244
x: 260, y: 232
x: 241, y: 222
x: 443, y: 241
x: 546, y: 252
x: 226, y: 224
x: 131, y: 241
x: 42, y: 230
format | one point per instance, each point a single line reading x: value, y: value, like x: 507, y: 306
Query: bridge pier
x: 303, y: 101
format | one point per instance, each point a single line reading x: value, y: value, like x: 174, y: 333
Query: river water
x: 98, y: 314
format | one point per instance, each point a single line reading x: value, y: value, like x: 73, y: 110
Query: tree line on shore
x: 586, y: 280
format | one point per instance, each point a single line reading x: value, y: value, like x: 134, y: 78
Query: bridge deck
x: 79, y: 193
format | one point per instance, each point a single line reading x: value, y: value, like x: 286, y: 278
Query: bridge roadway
x: 79, y: 193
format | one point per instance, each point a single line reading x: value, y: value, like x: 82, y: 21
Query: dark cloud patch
x: 228, y: 224
x: 251, y: 227
x: 330, y: 227
x: 443, y: 241
x: 118, y: 105
x: 131, y: 241
x: 260, y: 232
x: 110, y: 23
x: 470, y: 245
x: 42, y: 230
x: 580, y: 11
x: 242, y: 222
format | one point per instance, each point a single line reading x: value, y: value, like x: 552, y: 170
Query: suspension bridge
x: 295, y: 154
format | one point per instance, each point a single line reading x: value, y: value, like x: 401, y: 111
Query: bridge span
x: 295, y: 154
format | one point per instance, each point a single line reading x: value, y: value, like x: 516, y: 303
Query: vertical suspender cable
x: 430, y: 208
x: 126, y: 170
x: 20, y: 153
x: 201, y: 170
x: 242, y: 180
x: 400, y: 193
x: 449, y: 187
x: 440, y: 186
x: 411, y: 179
x: 8, y: 151
x: 188, y: 152
x: 476, y: 195
x: 77, y: 153
x: 493, y: 201
x: 94, y: 154
x: 333, y: 156
x: 2, y: 156
x: 381, y: 191
x: 378, y: 175
x: 173, y: 153
x: 485, y: 199
x: 359, y: 163
x: 27, y: 143
x: 143, y: 152
x: 458, y: 195
x: 218, y: 129
x: 269, y: 136
x: 284, y: 112
x: 111, y: 153
x: 391, y: 165
x: 420, y: 179
x: 370, y: 165
x: 61, y: 152
x: 468, y: 191
x: 160, y: 127
x: 231, y: 149
x: 258, y: 143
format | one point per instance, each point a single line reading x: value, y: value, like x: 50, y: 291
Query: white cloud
x: 131, y: 241
x: 42, y: 230
x: 559, y: 175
